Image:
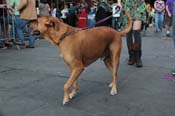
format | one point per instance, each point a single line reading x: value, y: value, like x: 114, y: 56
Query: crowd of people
x: 83, y: 15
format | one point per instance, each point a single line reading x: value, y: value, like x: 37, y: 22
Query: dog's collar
x: 69, y: 33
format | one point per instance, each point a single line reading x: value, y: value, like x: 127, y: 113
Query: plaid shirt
x: 136, y: 8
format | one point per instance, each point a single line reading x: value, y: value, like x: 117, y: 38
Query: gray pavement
x: 31, y: 83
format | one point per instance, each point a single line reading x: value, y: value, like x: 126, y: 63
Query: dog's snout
x: 35, y: 32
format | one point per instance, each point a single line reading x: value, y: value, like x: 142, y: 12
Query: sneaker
x: 173, y: 71
x: 4, y: 48
x: 29, y: 46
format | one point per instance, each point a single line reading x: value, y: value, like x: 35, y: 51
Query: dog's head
x: 49, y: 27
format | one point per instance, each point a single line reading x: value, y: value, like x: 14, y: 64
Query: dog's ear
x: 52, y: 23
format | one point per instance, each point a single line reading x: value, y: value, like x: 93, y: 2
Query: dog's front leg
x: 74, y: 89
x: 73, y: 77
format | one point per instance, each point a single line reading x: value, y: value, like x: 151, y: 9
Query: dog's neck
x: 70, y: 30
x: 57, y: 36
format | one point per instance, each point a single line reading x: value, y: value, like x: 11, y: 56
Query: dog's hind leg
x: 73, y: 77
x: 115, y: 77
x: 108, y: 63
x: 115, y: 65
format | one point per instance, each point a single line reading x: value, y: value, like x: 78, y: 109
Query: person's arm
x: 164, y: 7
x: 22, y: 5
x: 155, y: 7
x: 119, y: 3
x: 167, y: 9
x: 48, y: 7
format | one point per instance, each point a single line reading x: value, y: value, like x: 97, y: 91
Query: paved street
x: 31, y: 83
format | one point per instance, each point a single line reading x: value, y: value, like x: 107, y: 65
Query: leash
x: 79, y: 29
x: 98, y: 22
x: 118, y: 10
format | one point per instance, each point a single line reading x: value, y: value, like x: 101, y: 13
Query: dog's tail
x: 129, y: 25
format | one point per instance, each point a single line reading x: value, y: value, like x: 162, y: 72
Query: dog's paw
x: 71, y: 95
x: 66, y: 100
x: 113, y: 92
x: 110, y: 85
x: 61, y: 56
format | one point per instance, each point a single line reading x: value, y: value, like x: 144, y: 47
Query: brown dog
x: 80, y: 48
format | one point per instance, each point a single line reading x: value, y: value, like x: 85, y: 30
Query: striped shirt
x: 160, y: 5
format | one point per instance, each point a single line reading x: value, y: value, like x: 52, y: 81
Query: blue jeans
x: 114, y: 22
x: 173, y: 24
x: 159, y: 17
x: 20, y: 26
x: 91, y: 21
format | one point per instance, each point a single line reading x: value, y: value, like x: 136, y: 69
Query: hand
x: 169, y: 14
x: 10, y: 11
x: 120, y: 5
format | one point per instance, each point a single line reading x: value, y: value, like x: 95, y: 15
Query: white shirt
x: 64, y: 12
x: 54, y: 12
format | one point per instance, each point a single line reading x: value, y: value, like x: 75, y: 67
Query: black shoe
x: 139, y: 63
x: 131, y: 60
x: 168, y: 35
x: 7, y: 44
x: 19, y: 43
x: 29, y: 46
x: 138, y: 54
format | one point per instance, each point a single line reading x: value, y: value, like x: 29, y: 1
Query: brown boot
x: 138, y: 54
x: 131, y: 60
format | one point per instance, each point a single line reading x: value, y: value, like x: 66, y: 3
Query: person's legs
x: 173, y: 23
x: 156, y: 17
x: 90, y: 22
x: 173, y: 28
x: 130, y: 46
x: 114, y: 22
x: 161, y: 21
x: 31, y: 39
x: 20, y: 25
x: 1, y: 41
x: 168, y: 22
x: 138, y: 42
